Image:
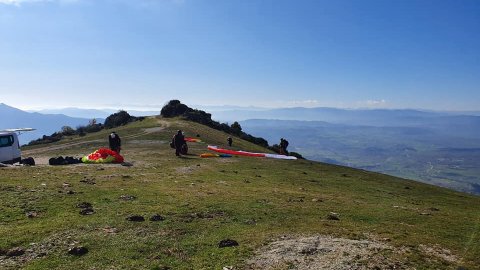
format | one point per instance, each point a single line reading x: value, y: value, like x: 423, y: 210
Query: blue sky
x: 138, y: 54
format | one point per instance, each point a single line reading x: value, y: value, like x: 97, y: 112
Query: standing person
x: 178, y: 142
x: 285, y: 145
x: 230, y: 141
x: 281, y: 146
x: 115, y: 142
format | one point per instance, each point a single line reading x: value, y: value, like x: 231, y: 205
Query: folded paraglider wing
x: 189, y: 139
x: 209, y: 155
x: 103, y: 155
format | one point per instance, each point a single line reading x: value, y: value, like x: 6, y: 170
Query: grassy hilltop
x: 274, y: 209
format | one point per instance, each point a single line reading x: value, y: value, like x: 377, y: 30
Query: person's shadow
x: 188, y: 156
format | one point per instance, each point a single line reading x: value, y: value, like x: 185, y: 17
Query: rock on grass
x: 333, y: 216
x: 78, y: 251
x: 127, y: 197
x: 87, y: 211
x: 84, y: 205
x: 136, y: 218
x: 157, y: 218
x: 227, y: 243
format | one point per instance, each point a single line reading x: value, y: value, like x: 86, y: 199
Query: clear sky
x: 275, y: 53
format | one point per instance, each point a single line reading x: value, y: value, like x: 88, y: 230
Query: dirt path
x: 146, y: 131
x: 56, y: 147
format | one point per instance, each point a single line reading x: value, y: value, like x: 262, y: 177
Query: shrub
x: 174, y: 108
x: 91, y: 128
x: 199, y: 117
x: 297, y: 155
x: 81, y: 131
x: 236, y: 128
x: 68, y: 131
x: 118, y: 119
x: 55, y: 137
x: 275, y: 148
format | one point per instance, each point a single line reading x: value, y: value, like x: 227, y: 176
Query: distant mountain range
x: 368, y: 117
x: 93, y: 113
x: 45, y: 124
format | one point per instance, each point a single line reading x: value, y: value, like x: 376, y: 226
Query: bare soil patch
x: 325, y: 252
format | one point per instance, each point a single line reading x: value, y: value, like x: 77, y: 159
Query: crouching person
x: 178, y: 142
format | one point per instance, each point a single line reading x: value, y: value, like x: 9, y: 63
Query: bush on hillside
x: 297, y: 155
x: 119, y: 119
x: 174, y: 108
x: 90, y: 128
x: 275, y: 148
x: 256, y: 140
x: 236, y: 128
x: 68, y: 131
x: 199, y: 117
x: 55, y: 137
x: 93, y: 127
x: 81, y: 131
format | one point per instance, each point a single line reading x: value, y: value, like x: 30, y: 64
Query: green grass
x: 251, y: 200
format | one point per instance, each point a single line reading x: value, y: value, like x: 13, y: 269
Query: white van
x: 10, y: 146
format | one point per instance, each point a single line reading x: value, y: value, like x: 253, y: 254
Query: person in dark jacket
x: 230, y: 141
x: 115, y: 142
x: 178, y: 142
x: 283, y: 146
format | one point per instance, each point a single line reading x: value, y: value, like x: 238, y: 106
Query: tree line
x: 117, y: 119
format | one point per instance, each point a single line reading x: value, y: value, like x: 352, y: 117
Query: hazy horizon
x: 226, y: 107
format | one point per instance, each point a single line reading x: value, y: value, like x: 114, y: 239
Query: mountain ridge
x: 45, y: 124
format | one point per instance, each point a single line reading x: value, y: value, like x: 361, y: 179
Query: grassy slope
x: 250, y: 200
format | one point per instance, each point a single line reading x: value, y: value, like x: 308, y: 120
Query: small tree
x: 297, y: 155
x: 81, y: 131
x: 93, y: 128
x: 174, y: 108
x: 68, y: 131
x: 236, y: 128
x: 118, y: 119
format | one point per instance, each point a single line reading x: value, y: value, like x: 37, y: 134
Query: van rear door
x: 7, y: 145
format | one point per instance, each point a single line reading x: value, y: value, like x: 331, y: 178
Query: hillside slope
x: 278, y: 211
